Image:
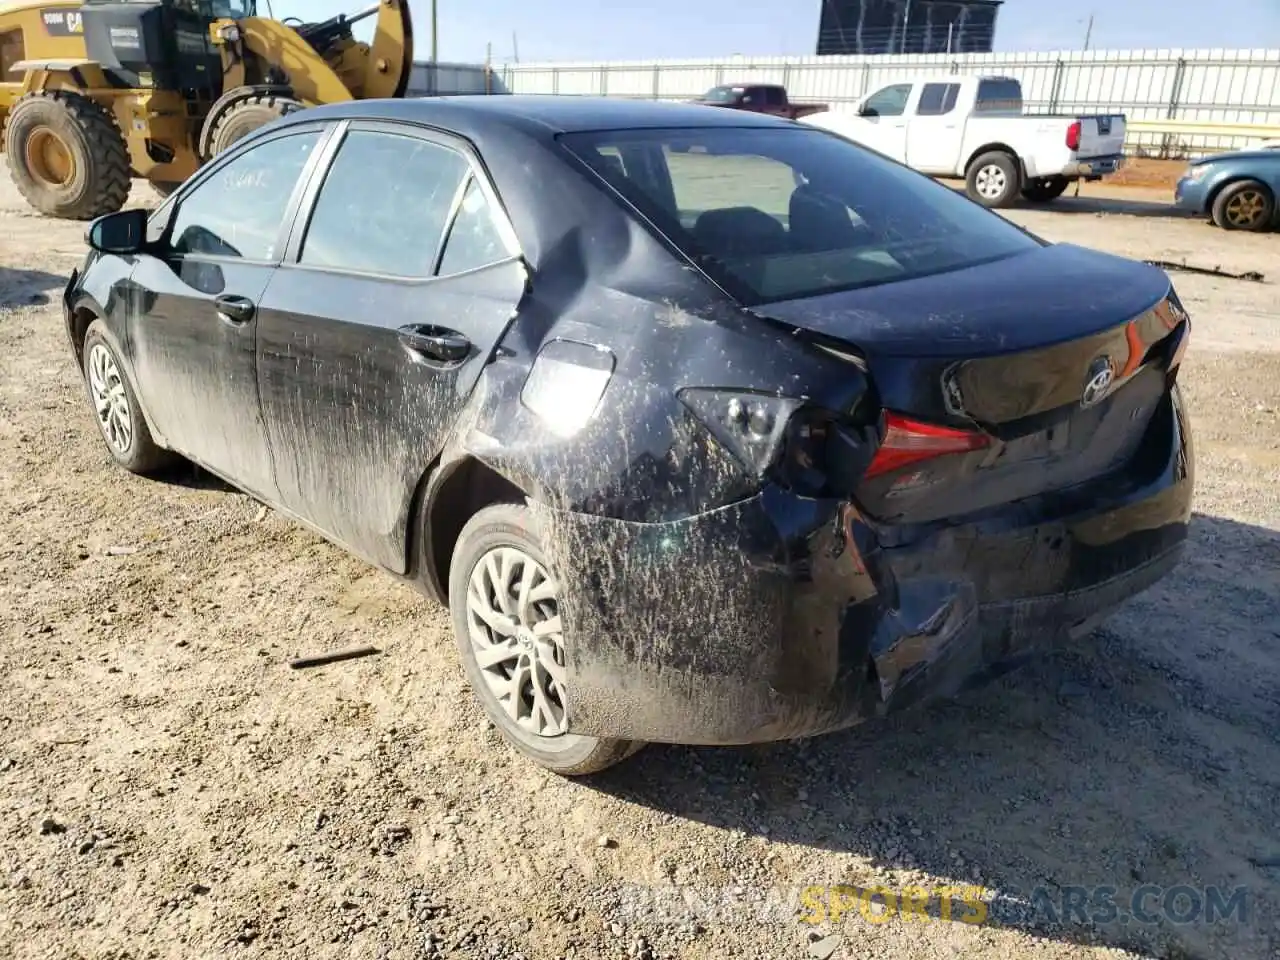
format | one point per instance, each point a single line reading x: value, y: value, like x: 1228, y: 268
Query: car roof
x: 545, y: 114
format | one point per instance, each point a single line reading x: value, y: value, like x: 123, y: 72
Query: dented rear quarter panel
x: 702, y: 603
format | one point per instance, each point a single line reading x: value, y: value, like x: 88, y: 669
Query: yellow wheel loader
x: 94, y: 93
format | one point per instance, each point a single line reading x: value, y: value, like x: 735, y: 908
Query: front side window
x: 722, y: 94
x: 239, y: 210
x: 384, y: 205
x: 784, y: 213
x: 889, y: 102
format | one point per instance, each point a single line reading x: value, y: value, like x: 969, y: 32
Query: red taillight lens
x: 1073, y: 136
x: 908, y: 441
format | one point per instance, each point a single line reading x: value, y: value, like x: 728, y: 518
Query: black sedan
x: 708, y: 428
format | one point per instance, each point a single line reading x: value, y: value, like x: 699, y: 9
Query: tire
x: 993, y: 179
x: 66, y: 156
x: 510, y: 532
x: 1244, y: 205
x: 1045, y: 189
x: 105, y: 381
x: 248, y: 115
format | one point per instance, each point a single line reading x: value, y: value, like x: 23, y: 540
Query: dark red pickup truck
x: 759, y: 98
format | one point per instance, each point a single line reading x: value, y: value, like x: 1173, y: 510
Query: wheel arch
x: 448, y: 496
x: 83, y: 312
x: 995, y: 147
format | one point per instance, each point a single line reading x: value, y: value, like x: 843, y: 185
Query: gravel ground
x: 170, y: 788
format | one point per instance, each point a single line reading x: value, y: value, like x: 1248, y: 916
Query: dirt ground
x: 170, y: 788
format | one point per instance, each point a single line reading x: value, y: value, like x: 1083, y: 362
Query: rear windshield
x: 777, y: 214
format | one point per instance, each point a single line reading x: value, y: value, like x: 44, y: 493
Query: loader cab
x: 163, y: 45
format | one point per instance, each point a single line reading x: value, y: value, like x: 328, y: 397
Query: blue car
x: 1236, y: 190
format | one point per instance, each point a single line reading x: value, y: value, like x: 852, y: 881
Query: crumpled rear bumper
x: 778, y: 617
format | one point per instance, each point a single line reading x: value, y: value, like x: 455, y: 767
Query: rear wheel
x: 66, y: 155
x: 506, y: 619
x: 1045, y: 189
x: 248, y: 115
x: 993, y: 179
x: 1246, y: 205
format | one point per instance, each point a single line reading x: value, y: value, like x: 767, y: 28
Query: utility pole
x: 435, y: 33
x: 1088, y: 32
x: 906, y: 24
x: 515, y: 47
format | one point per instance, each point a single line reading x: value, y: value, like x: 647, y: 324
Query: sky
x: 660, y: 29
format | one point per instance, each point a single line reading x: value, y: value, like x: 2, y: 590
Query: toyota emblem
x: 1097, y: 381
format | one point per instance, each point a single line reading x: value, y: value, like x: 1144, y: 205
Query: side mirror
x: 123, y: 232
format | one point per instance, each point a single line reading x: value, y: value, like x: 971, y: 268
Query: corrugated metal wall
x: 1235, y: 86
x: 451, y: 79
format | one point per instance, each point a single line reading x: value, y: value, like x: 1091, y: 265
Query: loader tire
x: 247, y: 116
x: 66, y: 156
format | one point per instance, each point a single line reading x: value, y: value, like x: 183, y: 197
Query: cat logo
x: 63, y: 23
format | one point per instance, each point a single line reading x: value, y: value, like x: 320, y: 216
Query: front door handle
x: 234, y: 310
x: 435, y: 343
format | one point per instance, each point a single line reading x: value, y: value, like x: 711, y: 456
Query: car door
x: 884, y: 121
x: 934, y: 130
x: 192, y: 322
x: 395, y: 290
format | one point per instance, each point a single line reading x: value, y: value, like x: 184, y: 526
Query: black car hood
x: 1040, y: 298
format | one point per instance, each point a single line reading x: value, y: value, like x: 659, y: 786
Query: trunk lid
x: 1101, y: 136
x: 1058, y: 356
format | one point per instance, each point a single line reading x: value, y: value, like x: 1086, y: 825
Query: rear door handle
x: 434, y: 343
x: 235, y: 310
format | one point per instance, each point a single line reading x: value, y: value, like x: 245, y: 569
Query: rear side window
x: 474, y: 240
x: 998, y: 95
x: 937, y: 99
x: 774, y: 97
x: 776, y: 214
x: 384, y: 205
x: 239, y: 211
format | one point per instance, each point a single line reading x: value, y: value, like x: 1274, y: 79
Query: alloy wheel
x: 109, y: 399
x: 513, y: 621
x: 991, y: 181
x: 1245, y: 208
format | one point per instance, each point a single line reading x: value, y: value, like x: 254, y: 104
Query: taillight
x: 908, y: 441
x: 1073, y: 135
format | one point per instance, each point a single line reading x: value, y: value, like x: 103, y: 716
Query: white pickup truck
x: 974, y: 127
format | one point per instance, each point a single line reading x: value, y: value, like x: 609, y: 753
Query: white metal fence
x: 1198, y: 88
x: 450, y: 79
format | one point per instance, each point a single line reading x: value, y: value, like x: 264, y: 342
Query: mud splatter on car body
x: 717, y: 586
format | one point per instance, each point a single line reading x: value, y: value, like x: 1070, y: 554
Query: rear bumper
x: 1095, y: 167
x: 778, y: 617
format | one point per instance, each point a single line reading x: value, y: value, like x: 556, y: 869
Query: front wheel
x: 506, y: 619
x: 993, y: 179
x: 246, y: 116
x: 120, y: 419
x: 1246, y: 205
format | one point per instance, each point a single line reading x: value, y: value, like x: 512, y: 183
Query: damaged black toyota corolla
x: 709, y: 428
